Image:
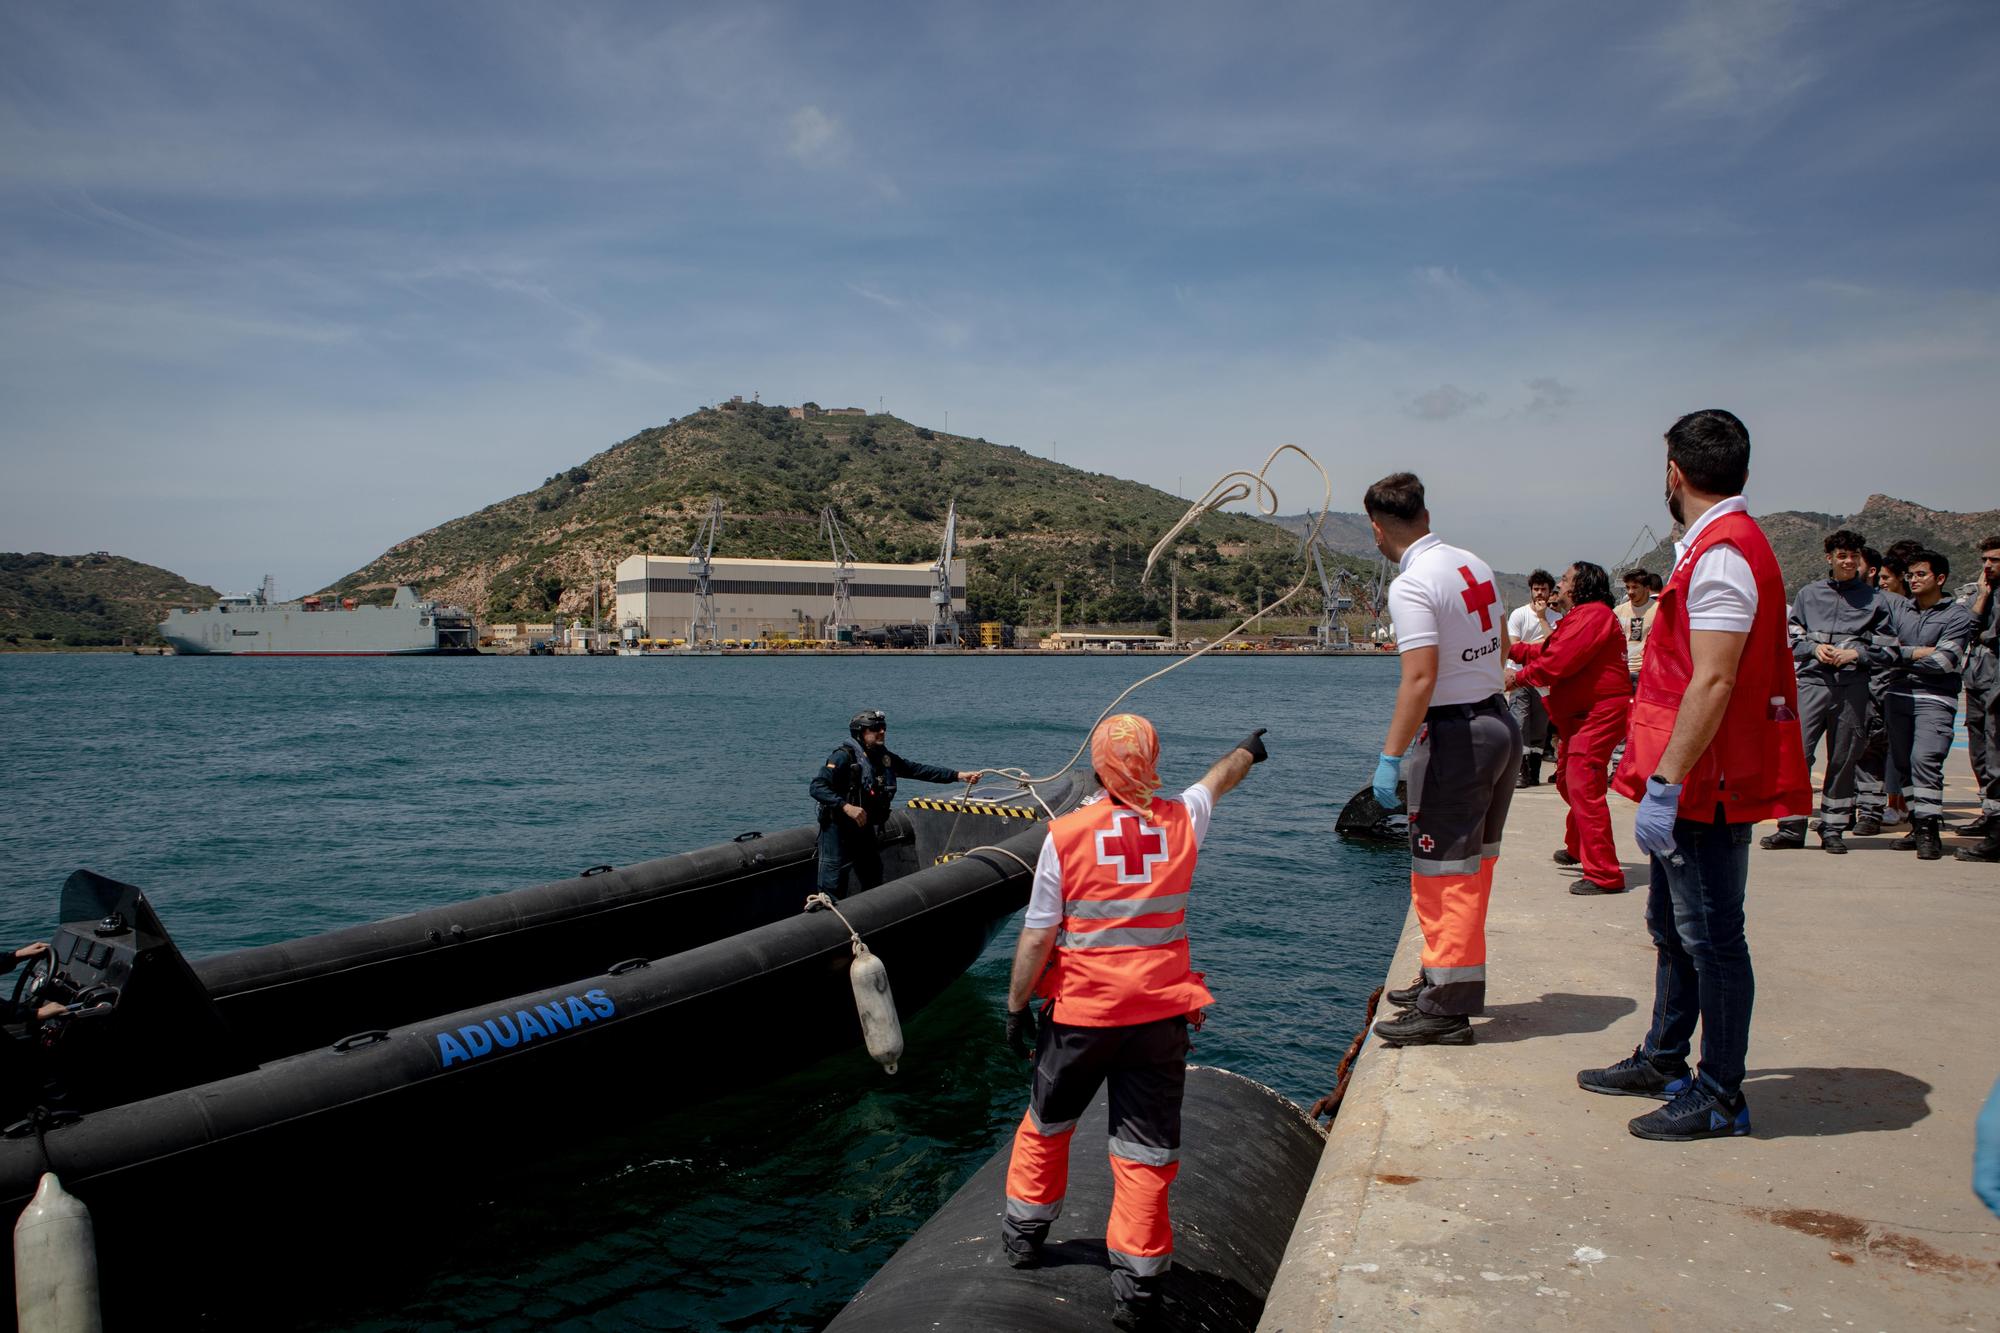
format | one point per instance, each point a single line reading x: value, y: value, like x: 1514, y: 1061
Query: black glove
x: 1253, y: 745
x: 1021, y: 1032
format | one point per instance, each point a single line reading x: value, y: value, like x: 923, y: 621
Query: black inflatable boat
x: 525, y: 1014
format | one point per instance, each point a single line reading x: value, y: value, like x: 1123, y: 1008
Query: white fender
x: 880, y: 1027
x: 55, y: 1263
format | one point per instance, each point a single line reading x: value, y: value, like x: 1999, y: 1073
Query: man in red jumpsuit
x: 1583, y: 664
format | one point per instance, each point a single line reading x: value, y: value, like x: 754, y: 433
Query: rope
x: 818, y: 900
x: 1004, y: 852
x: 1229, y: 488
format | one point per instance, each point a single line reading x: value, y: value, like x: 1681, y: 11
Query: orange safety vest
x: 1121, y: 953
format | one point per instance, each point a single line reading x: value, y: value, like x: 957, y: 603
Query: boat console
x: 136, y: 1021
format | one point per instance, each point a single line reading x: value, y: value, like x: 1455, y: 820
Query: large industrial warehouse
x: 755, y: 599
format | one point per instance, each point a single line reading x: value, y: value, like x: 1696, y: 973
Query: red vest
x: 1121, y: 955
x: 1755, y: 767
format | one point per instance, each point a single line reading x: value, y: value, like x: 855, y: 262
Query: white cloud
x: 1548, y: 396
x: 816, y: 138
x: 1735, y: 57
x: 1443, y: 403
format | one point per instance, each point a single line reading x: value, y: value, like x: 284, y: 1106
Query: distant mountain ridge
x: 93, y: 600
x: 1798, y: 537
x: 1026, y: 524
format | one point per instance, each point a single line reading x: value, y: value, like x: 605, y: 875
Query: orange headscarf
x: 1124, y: 750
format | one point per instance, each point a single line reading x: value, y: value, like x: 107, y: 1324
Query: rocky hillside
x: 1797, y: 536
x: 1024, y: 522
x: 87, y: 600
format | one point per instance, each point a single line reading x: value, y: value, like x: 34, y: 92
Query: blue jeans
x: 849, y: 858
x: 1695, y: 913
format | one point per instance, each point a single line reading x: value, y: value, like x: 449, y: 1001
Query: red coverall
x: 1590, y: 698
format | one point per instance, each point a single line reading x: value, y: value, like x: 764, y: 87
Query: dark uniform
x: 1920, y: 706
x: 1982, y: 683
x: 854, y: 776
x: 1833, y: 701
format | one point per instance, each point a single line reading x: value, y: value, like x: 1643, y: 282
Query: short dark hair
x: 1871, y: 557
x: 1990, y: 543
x: 1940, y: 564
x: 1637, y: 575
x: 1658, y: 583
x: 1400, y: 496
x: 1542, y: 577
x: 1712, y: 450
x: 1904, y: 551
x: 1589, y: 583
x: 1844, y: 539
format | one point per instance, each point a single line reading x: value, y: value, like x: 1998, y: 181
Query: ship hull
x: 293, y: 629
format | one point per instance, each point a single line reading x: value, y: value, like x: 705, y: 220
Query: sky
x: 284, y: 283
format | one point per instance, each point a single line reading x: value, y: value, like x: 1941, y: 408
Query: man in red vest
x: 1110, y: 904
x: 1714, y: 747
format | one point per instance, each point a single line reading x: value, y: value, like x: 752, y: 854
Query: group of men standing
x: 1883, y: 653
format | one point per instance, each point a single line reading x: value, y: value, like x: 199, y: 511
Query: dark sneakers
x: 1563, y: 858
x: 1831, y: 841
x: 1590, y: 888
x: 1697, y: 1113
x: 1414, y: 1027
x: 1784, y: 840
x: 1638, y: 1075
x: 1407, y: 996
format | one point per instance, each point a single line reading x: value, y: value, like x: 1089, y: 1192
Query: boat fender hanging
x: 55, y: 1264
x: 874, y: 1005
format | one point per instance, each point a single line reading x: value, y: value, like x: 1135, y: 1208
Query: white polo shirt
x: 1045, y: 899
x: 1444, y: 597
x: 1722, y: 591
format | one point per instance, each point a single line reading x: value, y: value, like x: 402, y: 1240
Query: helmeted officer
x: 1109, y: 902
x: 856, y: 788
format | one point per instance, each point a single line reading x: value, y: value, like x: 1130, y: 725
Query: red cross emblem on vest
x: 1133, y: 846
x: 1479, y: 597
x: 1427, y: 843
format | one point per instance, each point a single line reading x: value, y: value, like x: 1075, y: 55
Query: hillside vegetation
x: 1798, y: 536
x: 1024, y: 522
x: 87, y: 600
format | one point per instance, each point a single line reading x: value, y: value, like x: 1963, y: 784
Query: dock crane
x: 1332, y: 634
x: 944, y: 621
x: 702, y: 629
x: 843, y: 570
x: 1644, y: 542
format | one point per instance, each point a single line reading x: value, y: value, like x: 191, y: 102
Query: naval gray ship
x: 256, y: 624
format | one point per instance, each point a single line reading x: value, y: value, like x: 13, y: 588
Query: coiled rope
x: 1229, y: 488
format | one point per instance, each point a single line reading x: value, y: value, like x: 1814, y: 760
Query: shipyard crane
x: 843, y: 569
x: 702, y: 628
x: 1332, y: 634
x: 1644, y: 542
x: 944, y: 621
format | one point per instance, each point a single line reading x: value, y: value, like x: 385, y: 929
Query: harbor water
x: 261, y: 800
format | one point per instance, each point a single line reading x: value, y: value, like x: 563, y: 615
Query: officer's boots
x: 1530, y: 774
x: 1988, y: 848
x: 1929, y: 845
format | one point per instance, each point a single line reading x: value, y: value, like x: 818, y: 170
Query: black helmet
x: 865, y: 720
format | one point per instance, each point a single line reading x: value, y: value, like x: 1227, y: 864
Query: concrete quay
x: 1480, y: 1188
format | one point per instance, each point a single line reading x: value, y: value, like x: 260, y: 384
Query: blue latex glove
x: 1388, y: 771
x: 1653, y: 830
x: 1986, y: 1153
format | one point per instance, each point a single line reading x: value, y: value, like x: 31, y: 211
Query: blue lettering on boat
x: 521, y: 1026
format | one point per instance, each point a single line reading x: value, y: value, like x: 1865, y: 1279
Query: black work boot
x: 1407, y: 996
x: 1789, y: 837
x: 1908, y: 842
x: 1866, y: 825
x: 1414, y: 1027
x: 1929, y: 846
x: 1978, y: 828
x: 1988, y: 848
x: 1831, y: 841
x: 1531, y: 771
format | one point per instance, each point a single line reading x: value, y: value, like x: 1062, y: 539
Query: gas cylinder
x: 880, y: 1027
x: 55, y: 1263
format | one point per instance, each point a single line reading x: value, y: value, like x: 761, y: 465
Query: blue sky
x: 281, y: 284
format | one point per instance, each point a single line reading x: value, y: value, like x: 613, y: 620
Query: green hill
x: 1797, y: 537
x: 1024, y: 522
x: 87, y: 600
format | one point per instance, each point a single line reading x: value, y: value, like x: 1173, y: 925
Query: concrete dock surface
x: 1479, y: 1188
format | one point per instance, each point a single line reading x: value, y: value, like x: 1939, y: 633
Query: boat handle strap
x: 360, y: 1039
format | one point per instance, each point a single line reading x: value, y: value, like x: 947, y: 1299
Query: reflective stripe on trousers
x: 1461, y: 783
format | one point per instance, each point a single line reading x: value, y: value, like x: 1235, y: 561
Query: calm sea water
x: 260, y: 800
